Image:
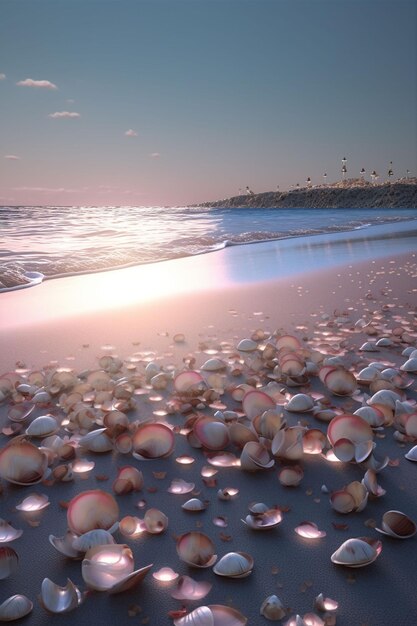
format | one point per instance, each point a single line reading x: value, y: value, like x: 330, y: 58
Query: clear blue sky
x: 214, y: 95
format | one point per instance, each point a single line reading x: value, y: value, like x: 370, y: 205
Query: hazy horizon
x: 168, y: 103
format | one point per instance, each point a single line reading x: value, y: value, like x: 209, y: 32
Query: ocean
x: 38, y: 243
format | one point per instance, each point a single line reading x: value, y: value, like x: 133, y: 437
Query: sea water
x: 38, y: 242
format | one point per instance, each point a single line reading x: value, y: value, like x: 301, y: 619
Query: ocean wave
x: 29, y: 263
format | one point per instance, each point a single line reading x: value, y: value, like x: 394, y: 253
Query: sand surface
x: 321, y: 309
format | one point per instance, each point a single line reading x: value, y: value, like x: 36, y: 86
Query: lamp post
x: 390, y: 171
x: 344, y: 168
x: 324, y: 177
x: 362, y: 173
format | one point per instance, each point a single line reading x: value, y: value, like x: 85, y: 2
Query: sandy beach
x: 137, y: 315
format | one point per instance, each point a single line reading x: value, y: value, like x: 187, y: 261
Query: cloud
x: 131, y: 133
x: 43, y: 84
x: 47, y: 189
x: 11, y: 157
x: 2, y: 76
x: 155, y: 155
x: 61, y: 114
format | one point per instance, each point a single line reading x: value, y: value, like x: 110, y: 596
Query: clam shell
x: 264, y: 521
x: 351, y: 427
x: 105, y: 566
x: 56, y: 599
x: 65, y: 546
x: 8, y: 533
x: 8, y: 562
x: 290, y: 476
x: 196, y: 549
x: 340, y: 382
x: 155, y: 521
x: 214, y: 365
x: 90, y: 510
x: 410, y: 365
x: 42, y: 426
x: 194, y: 504
x: 91, y: 539
x: 189, y: 383
x: 300, y: 403
x: 15, y: 607
x: 397, y: 524
x: 211, y: 433
x: 22, y: 463
x: 272, y: 608
x: 357, y: 552
x: 256, y: 402
x: 325, y: 604
x: 309, y: 530
x: 255, y: 457
x: 153, y: 441
x: 212, y: 615
x: 411, y: 455
x: 288, y: 444
x: 189, y: 589
x: 96, y: 441
x: 234, y: 565
x: 247, y: 345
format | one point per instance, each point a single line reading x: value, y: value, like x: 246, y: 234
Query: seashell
x: 240, y: 435
x: 314, y: 441
x: 247, y: 345
x: 290, y: 476
x: 155, y: 521
x: 256, y: 402
x: 196, y: 549
x: 91, y: 539
x: 90, y: 510
x: 56, y: 599
x: 15, y: 607
x: 104, y: 567
x: 195, y: 504
x: 165, y: 575
x: 223, y: 459
x: 234, y: 565
x: 42, y: 426
x: 398, y: 525
x: 357, y: 552
x: 189, y: 383
x: 300, y: 403
x: 372, y: 415
x: 325, y: 604
x: 368, y: 346
x: 8, y: 562
x: 189, y: 589
x: 228, y: 493
x: 309, y: 530
x: 410, y: 365
x: 296, y: 620
x: 272, y: 608
x: 370, y: 482
x: 288, y: 444
x: 22, y: 463
x: 211, y: 433
x: 65, y: 473
x: 96, y: 441
x: 153, y: 441
x: 8, y: 533
x: 288, y: 341
x: 214, y: 365
x: 131, y: 526
x: 20, y: 412
x: 269, y: 518
x: 387, y: 397
x: 65, y: 546
x: 255, y: 457
x: 180, y: 486
x: 212, y: 615
x: 269, y: 423
x: 33, y: 504
x: 151, y: 370
x: 128, y: 479
x: 130, y: 581
x: 351, y: 498
x: 411, y: 455
x: 368, y: 374
x: 340, y: 382
x: 350, y: 427
x: 410, y: 425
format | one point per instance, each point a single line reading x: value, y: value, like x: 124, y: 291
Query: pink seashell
x: 90, y: 510
x: 153, y: 441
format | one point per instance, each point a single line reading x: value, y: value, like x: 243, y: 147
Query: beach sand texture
x: 328, y: 311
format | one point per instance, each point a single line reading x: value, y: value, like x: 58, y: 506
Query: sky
x: 176, y: 102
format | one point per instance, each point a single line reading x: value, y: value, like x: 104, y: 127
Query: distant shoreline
x: 352, y: 194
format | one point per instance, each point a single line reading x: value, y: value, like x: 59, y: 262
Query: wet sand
x: 46, y: 327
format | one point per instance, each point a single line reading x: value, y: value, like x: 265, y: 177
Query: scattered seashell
x: 153, y: 441
x: 90, y: 510
x: 211, y: 433
x: 325, y: 604
x: 410, y: 365
x: 131, y: 526
x: 8, y: 533
x: 42, y: 426
x: 212, y: 615
x: 14, y: 608
x: 272, y: 608
x: 234, y: 565
x: 104, y: 567
x: 398, y: 525
x: 22, y: 463
x: 411, y: 455
x: 65, y: 546
x: 300, y: 403
x: 291, y: 476
x: 256, y: 402
x: 155, y: 521
x: 196, y: 549
x: 8, y: 562
x: 247, y: 345
x: 56, y: 599
x: 309, y: 530
x: 91, y: 539
x: 189, y: 383
x: 255, y: 457
x: 264, y: 520
x: 351, y: 427
x: 195, y: 504
x: 165, y: 575
x: 227, y: 493
x: 180, y: 486
x: 357, y: 552
x: 189, y: 589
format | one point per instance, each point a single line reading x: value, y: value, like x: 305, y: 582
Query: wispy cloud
x: 63, y: 114
x: 155, y: 155
x: 47, y: 189
x: 131, y: 133
x: 12, y: 157
x: 42, y: 84
x: 2, y: 76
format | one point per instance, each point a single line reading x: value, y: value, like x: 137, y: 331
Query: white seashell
x: 357, y: 552
x: 196, y: 549
x: 214, y: 365
x: 255, y: 457
x: 151, y: 370
x: 386, y: 397
x: 8, y: 562
x: 247, y: 345
x: 368, y: 374
x: 234, y: 565
x: 93, y: 538
x: 272, y: 608
x: 368, y: 346
x: 42, y: 426
x: 96, y: 441
x: 58, y: 599
x: 409, y: 352
x: 300, y: 403
x: 410, y: 365
x: 105, y: 566
x: 14, y: 608
x: 8, y: 533
x: 384, y: 342
x: 194, y: 504
x: 411, y: 455
x: 64, y: 545
x: 159, y: 381
x: 212, y: 615
x: 189, y: 589
x: 325, y: 604
x: 41, y: 397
